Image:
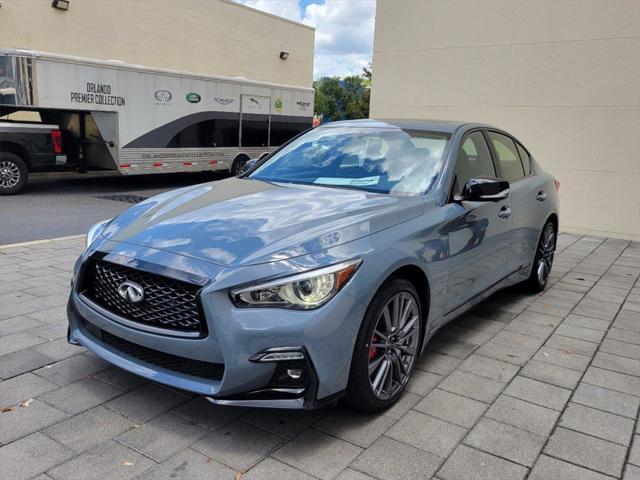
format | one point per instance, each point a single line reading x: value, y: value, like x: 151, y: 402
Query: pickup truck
x: 25, y: 148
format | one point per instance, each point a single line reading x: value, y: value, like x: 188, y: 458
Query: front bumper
x: 326, y: 336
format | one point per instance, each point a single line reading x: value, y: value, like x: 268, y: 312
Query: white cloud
x: 283, y: 8
x: 344, y: 31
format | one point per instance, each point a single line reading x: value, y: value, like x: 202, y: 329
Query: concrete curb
x: 39, y: 242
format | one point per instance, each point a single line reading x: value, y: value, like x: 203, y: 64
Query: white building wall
x: 561, y: 75
x: 215, y: 37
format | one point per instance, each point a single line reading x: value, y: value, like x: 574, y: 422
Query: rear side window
x: 474, y: 160
x: 508, y: 158
x: 206, y: 134
x: 255, y: 131
x: 283, y: 131
x: 526, y: 159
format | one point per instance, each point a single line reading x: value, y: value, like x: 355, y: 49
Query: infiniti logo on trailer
x: 163, y: 95
x: 131, y: 291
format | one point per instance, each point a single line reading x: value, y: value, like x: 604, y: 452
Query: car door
x: 478, y: 232
x: 527, y: 197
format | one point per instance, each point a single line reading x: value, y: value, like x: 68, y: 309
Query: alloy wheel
x: 9, y: 174
x: 394, y: 345
x: 546, y: 250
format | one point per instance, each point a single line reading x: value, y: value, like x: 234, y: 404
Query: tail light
x: 56, y: 139
x: 557, y: 184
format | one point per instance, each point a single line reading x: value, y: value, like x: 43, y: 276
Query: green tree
x: 355, y: 98
x: 367, y: 73
x: 343, y: 99
x: 328, y: 98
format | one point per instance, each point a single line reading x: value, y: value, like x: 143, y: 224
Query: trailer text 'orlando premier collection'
x: 136, y: 119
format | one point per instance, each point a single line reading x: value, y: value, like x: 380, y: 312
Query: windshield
x: 382, y: 160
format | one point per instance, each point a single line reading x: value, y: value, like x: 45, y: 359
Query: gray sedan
x: 321, y: 272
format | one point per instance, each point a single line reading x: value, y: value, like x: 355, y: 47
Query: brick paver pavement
x: 524, y: 386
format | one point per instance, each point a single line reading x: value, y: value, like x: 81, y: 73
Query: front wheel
x: 13, y: 173
x: 386, y: 347
x: 543, y: 260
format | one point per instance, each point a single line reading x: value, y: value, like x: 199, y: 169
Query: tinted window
x: 283, y: 131
x: 7, y: 81
x: 382, y: 160
x: 255, y: 131
x: 526, y: 159
x: 474, y: 160
x: 207, y: 134
x: 508, y: 158
x: 226, y: 133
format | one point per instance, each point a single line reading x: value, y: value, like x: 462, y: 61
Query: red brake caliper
x: 373, y: 351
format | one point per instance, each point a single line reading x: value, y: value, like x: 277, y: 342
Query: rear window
x: 508, y: 157
x: 526, y: 159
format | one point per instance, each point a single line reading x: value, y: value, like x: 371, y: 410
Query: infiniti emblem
x: 131, y: 291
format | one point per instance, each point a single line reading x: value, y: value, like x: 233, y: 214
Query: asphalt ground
x: 59, y: 205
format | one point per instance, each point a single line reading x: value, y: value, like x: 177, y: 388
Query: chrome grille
x: 168, y: 303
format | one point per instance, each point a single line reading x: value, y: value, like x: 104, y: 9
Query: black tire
x: 13, y: 173
x: 238, y: 163
x: 360, y: 390
x: 543, y: 260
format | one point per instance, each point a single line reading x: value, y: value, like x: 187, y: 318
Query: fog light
x: 278, y: 354
x: 292, y: 366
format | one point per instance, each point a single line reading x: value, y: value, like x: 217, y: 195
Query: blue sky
x: 304, y: 3
x: 344, y: 30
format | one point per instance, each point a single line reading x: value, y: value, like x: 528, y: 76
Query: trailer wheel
x: 13, y: 173
x: 238, y: 164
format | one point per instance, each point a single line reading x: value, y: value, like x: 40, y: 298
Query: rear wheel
x: 13, y: 173
x: 543, y: 260
x: 386, y: 347
x: 238, y: 163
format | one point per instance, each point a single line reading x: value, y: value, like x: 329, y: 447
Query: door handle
x: 541, y: 197
x: 505, y: 212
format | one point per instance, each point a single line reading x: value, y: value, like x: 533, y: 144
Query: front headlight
x: 96, y: 230
x: 303, y: 291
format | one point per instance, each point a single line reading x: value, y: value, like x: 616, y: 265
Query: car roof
x: 447, y: 126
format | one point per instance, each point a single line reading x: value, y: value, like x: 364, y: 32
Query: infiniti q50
x: 321, y: 272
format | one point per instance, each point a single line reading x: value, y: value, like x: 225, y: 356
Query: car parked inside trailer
x: 138, y: 120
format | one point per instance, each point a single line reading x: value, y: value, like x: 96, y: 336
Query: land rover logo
x: 131, y: 291
x: 163, y: 95
x: 193, y: 97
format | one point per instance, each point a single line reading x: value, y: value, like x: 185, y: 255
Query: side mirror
x: 483, y: 189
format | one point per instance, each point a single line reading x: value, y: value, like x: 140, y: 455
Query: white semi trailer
x: 138, y: 120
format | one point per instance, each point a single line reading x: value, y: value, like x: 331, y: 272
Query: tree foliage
x: 343, y: 99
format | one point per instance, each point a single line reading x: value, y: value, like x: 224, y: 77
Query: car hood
x: 237, y: 221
